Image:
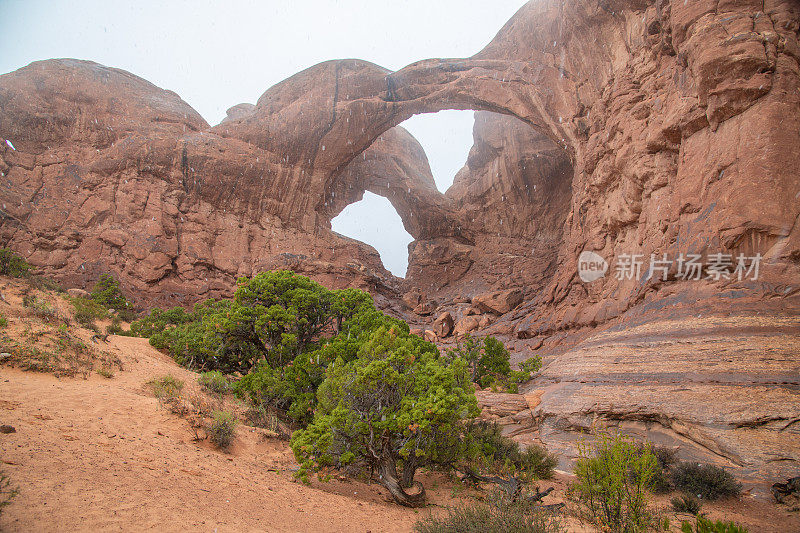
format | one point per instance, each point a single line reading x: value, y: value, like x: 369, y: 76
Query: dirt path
x: 102, y: 454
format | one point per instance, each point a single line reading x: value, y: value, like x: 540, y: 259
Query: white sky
x: 218, y: 54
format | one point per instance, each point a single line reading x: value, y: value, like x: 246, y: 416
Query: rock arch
x: 326, y: 116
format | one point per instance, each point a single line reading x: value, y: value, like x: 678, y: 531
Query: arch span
x: 322, y: 118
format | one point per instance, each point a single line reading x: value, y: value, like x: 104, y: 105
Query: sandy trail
x: 101, y: 454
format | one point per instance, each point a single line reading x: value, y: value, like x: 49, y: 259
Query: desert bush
x: 86, y: 311
x: 666, y: 459
x: 115, y: 328
x: 214, y: 381
x: 6, y: 492
x: 708, y: 482
x: 166, y: 387
x: 614, y: 482
x: 487, y: 449
x: 105, y: 372
x: 39, y: 307
x: 483, y: 518
x: 685, y: 504
x: 489, y: 365
x: 13, y: 265
x: 222, y: 429
x: 398, y: 403
x: 706, y: 525
x: 3, y: 322
x: 107, y: 293
x: 157, y: 321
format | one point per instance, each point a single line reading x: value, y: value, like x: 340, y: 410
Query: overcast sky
x: 218, y: 54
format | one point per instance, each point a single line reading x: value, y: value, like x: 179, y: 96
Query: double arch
x: 324, y: 117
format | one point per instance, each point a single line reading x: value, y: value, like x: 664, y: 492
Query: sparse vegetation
x: 55, y: 351
x: 115, y: 328
x: 488, y: 450
x: 482, y: 518
x: 7, y: 493
x: 708, y: 482
x: 214, y: 381
x: 222, y: 429
x: 39, y: 307
x: 614, y: 482
x: 706, y: 525
x: 686, y: 504
x: 166, y: 387
x: 3, y: 322
x: 261, y: 417
x: 13, y: 265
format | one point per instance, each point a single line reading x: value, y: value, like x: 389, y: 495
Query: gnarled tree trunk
x: 387, y: 472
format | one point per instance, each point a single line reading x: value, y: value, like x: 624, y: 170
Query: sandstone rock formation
x: 499, y: 302
x: 443, y: 325
x: 629, y: 129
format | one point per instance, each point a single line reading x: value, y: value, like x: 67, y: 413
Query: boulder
x: 443, y: 325
x: 498, y: 302
x: 412, y: 299
x: 466, y: 325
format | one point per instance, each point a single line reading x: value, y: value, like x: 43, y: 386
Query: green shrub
x: 3, y: 322
x: 685, y: 504
x: 666, y: 458
x: 157, y: 321
x: 222, y: 429
x: 6, y: 492
x: 214, y: 381
x: 482, y: 518
x: 489, y: 365
x: 166, y: 387
x: 106, y: 292
x: 708, y: 482
x: 398, y: 389
x: 614, y: 482
x: 13, y: 265
x: 487, y: 449
x: 526, y: 370
x: 114, y: 328
x: 87, y: 311
x: 705, y: 525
